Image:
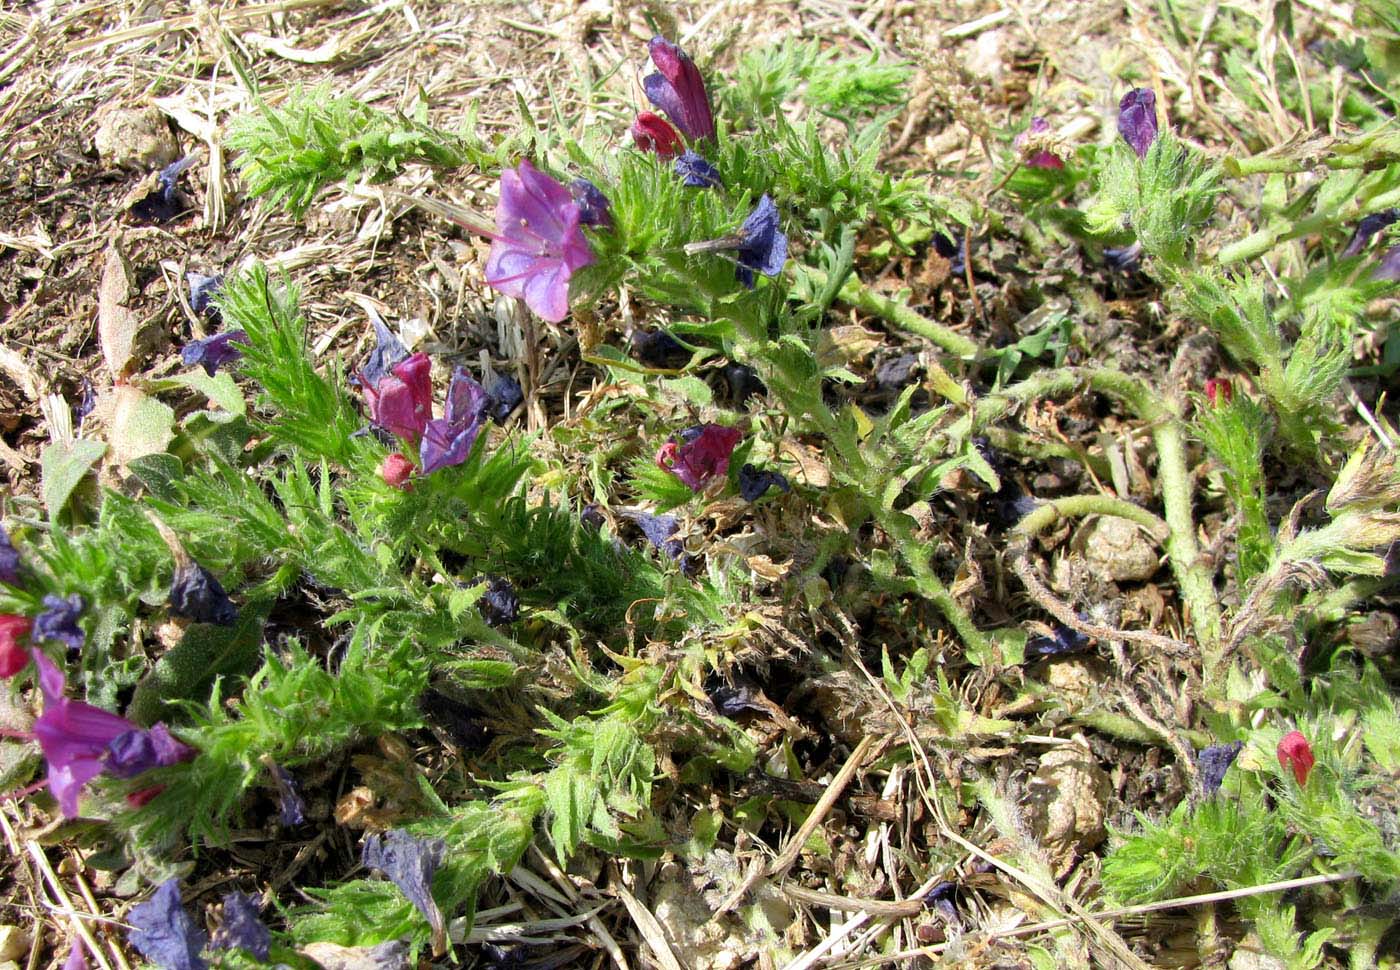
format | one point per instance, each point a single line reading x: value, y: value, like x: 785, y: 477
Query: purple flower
x: 80, y: 741
x: 733, y: 699
x: 1389, y: 266
x: 594, y: 209
x: 539, y: 245
x: 196, y: 595
x: 59, y: 621
x: 401, y: 401
x: 701, y: 455
x: 1137, y: 119
x: 388, y: 351
x: 164, y: 202
x: 1214, y: 761
x: 755, y: 482
x: 658, y: 348
x: 72, y: 735
x: 9, y: 559
x: 1041, y: 158
x: 77, y: 955
x: 951, y: 248
x: 498, y: 604
x: 743, y: 383
x: 203, y: 289
x: 1368, y: 227
x: 1062, y: 642
x: 241, y: 928
x: 653, y: 133
x: 1124, y: 259
x: 138, y: 751
x: 679, y: 90
x: 410, y: 863
x: 764, y: 246
x: 448, y: 440
x: 291, y: 807
x: 211, y: 353
x: 660, y: 531
x: 506, y: 395
x: 164, y: 933
x: 697, y: 173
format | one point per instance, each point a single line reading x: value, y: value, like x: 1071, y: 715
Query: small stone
x: 1118, y: 550
x: 136, y: 138
x: 1066, y: 803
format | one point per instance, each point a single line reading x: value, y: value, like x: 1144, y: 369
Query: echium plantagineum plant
x: 394, y: 495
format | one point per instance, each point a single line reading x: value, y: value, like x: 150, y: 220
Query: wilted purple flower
x: 1214, y: 761
x: 653, y: 133
x: 86, y: 402
x: 952, y: 249
x: 658, y: 348
x: 506, y: 395
x: 410, y: 863
x: 59, y: 621
x: 203, y: 289
x: 892, y: 375
x: 1124, y: 259
x: 388, y: 351
x: 1137, y: 119
x: 77, y: 955
x: 679, y: 90
x: 448, y: 440
x: 9, y: 559
x: 743, y: 383
x: 291, y: 807
x: 753, y: 482
x: 401, y: 401
x: 498, y: 605
x: 941, y: 897
x: 196, y: 595
x: 164, y: 202
x: 764, y: 248
x: 735, y: 697
x: 700, y: 455
x: 1042, y: 158
x: 138, y: 751
x: 1367, y: 228
x: 1389, y: 266
x: 241, y: 928
x: 164, y: 933
x: 1062, y: 642
x: 660, y: 531
x: 211, y: 353
x: 594, y: 209
x: 697, y: 173
x: 463, y: 722
x: 539, y: 245
x: 1012, y: 505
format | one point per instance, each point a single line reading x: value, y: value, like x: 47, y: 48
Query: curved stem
x: 855, y: 293
x: 1078, y: 506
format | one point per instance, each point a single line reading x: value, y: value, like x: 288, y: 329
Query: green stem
x: 1260, y: 242
x: 979, y: 646
x: 1078, y: 506
x: 855, y: 293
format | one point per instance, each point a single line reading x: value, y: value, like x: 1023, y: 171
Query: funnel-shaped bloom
x: 679, y: 90
x: 764, y: 247
x: 1368, y: 227
x: 59, y: 621
x: 211, y: 353
x: 1294, y: 752
x: 164, y: 933
x: 700, y: 455
x: 449, y: 439
x: 388, y: 351
x: 401, y: 401
x: 594, y: 208
x: 697, y: 173
x: 653, y: 133
x: 539, y: 244
x: 1214, y: 761
x: 1388, y: 269
x: 1137, y: 119
x: 80, y: 741
x: 196, y: 594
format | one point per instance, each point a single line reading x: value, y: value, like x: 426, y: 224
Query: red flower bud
x: 396, y: 470
x: 1295, y: 752
x: 13, y: 657
x: 1219, y: 390
x: 653, y: 133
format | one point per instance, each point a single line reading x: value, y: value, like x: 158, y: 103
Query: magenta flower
x: 1041, y: 158
x: 1137, y: 119
x: 679, y: 90
x: 701, y: 455
x: 80, y: 741
x: 653, y: 133
x: 538, y: 244
x: 448, y: 440
x: 401, y: 401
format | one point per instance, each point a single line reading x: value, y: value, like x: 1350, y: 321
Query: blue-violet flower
x: 539, y: 245
x: 211, y: 353
x: 448, y: 440
x: 59, y: 621
x: 679, y: 90
x: 164, y: 933
x: 697, y: 173
x: 594, y: 209
x: 1137, y: 119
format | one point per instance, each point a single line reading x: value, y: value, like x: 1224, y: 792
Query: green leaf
x: 64, y: 465
x: 220, y: 389
x: 189, y: 669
